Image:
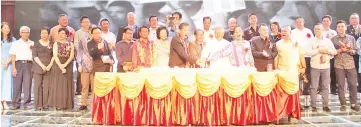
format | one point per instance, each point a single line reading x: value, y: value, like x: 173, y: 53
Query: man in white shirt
x: 322, y: 50
x: 329, y: 33
x: 216, y: 50
x: 110, y: 38
x: 21, y: 59
x: 153, y: 22
x: 302, y: 36
x: 208, y: 32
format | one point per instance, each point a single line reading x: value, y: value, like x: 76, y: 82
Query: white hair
x: 130, y: 13
x: 354, y: 15
x: 231, y: 20
x: 22, y: 28
x: 219, y: 28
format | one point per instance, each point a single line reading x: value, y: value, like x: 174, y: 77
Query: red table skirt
x: 217, y: 109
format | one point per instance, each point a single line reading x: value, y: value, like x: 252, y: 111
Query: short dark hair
x: 46, y: 29
x: 152, y: 17
x: 160, y: 29
x: 83, y: 17
x: 277, y: 24
x: 92, y: 30
x: 318, y: 24
x: 143, y: 27
x: 103, y: 20
x: 177, y: 13
x: 182, y: 25
x: 195, y: 32
x: 264, y: 24
x: 299, y: 17
x: 249, y: 15
x: 327, y: 16
x: 65, y: 30
x: 207, y: 17
x: 127, y: 29
x: 340, y: 21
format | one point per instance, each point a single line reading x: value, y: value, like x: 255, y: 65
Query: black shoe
x: 314, y: 109
x: 14, y: 108
x: 355, y: 108
x: 77, y: 93
x: 326, y: 109
x: 343, y: 108
x: 82, y: 108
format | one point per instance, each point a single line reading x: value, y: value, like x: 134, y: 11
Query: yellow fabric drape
x: 264, y: 82
x: 208, y: 83
x: 105, y: 82
x: 158, y: 85
x: 130, y: 84
x: 235, y: 84
x: 288, y: 81
x: 185, y: 84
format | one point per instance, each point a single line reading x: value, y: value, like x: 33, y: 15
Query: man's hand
x: 303, y: 70
x: 100, y: 45
x: 80, y: 69
x: 265, y: 54
x: 323, y: 50
x: 44, y: 68
x: 14, y: 72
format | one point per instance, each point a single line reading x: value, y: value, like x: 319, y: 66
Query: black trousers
x: 306, y: 86
x: 333, y: 76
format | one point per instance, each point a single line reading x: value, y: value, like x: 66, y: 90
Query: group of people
x: 265, y: 47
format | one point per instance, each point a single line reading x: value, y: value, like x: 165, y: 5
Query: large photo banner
x: 37, y: 14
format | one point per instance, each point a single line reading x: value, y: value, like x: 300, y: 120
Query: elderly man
x: 216, y: 50
x: 290, y: 55
x: 196, y: 47
x: 131, y: 25
x: 263, y: 50
x: 321, y: 51
x: 354, y: 29
x: 179, y: 56
x: 63, y: 23
x: 345, y: 65
x: 228, y: 35
x: 21, y: 59
x: 252, y: 30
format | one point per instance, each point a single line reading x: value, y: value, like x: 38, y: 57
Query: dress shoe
x: 326, y: 109
x: 314, y: 109
x: 355, y: 108
x: 14, y: 108
x: 343, y: 108
x: 81, y: 108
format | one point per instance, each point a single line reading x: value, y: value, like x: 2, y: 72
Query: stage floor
x: 29, y: 118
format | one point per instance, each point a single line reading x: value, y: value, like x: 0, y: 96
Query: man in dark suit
x: 263, y: 50
x: 354, y: 29
x: 196, y: 47
x: 228, y: 35
x: 179, y: 55
x: 131, y: 25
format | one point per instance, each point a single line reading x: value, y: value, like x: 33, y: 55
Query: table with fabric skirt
x: 194, y: 97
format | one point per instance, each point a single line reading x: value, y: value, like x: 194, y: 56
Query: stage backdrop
x: 37, y: 14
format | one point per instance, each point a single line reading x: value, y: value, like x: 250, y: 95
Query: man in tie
x: 195, y: 48
x: 179, y: 55
x: 131, y: 25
